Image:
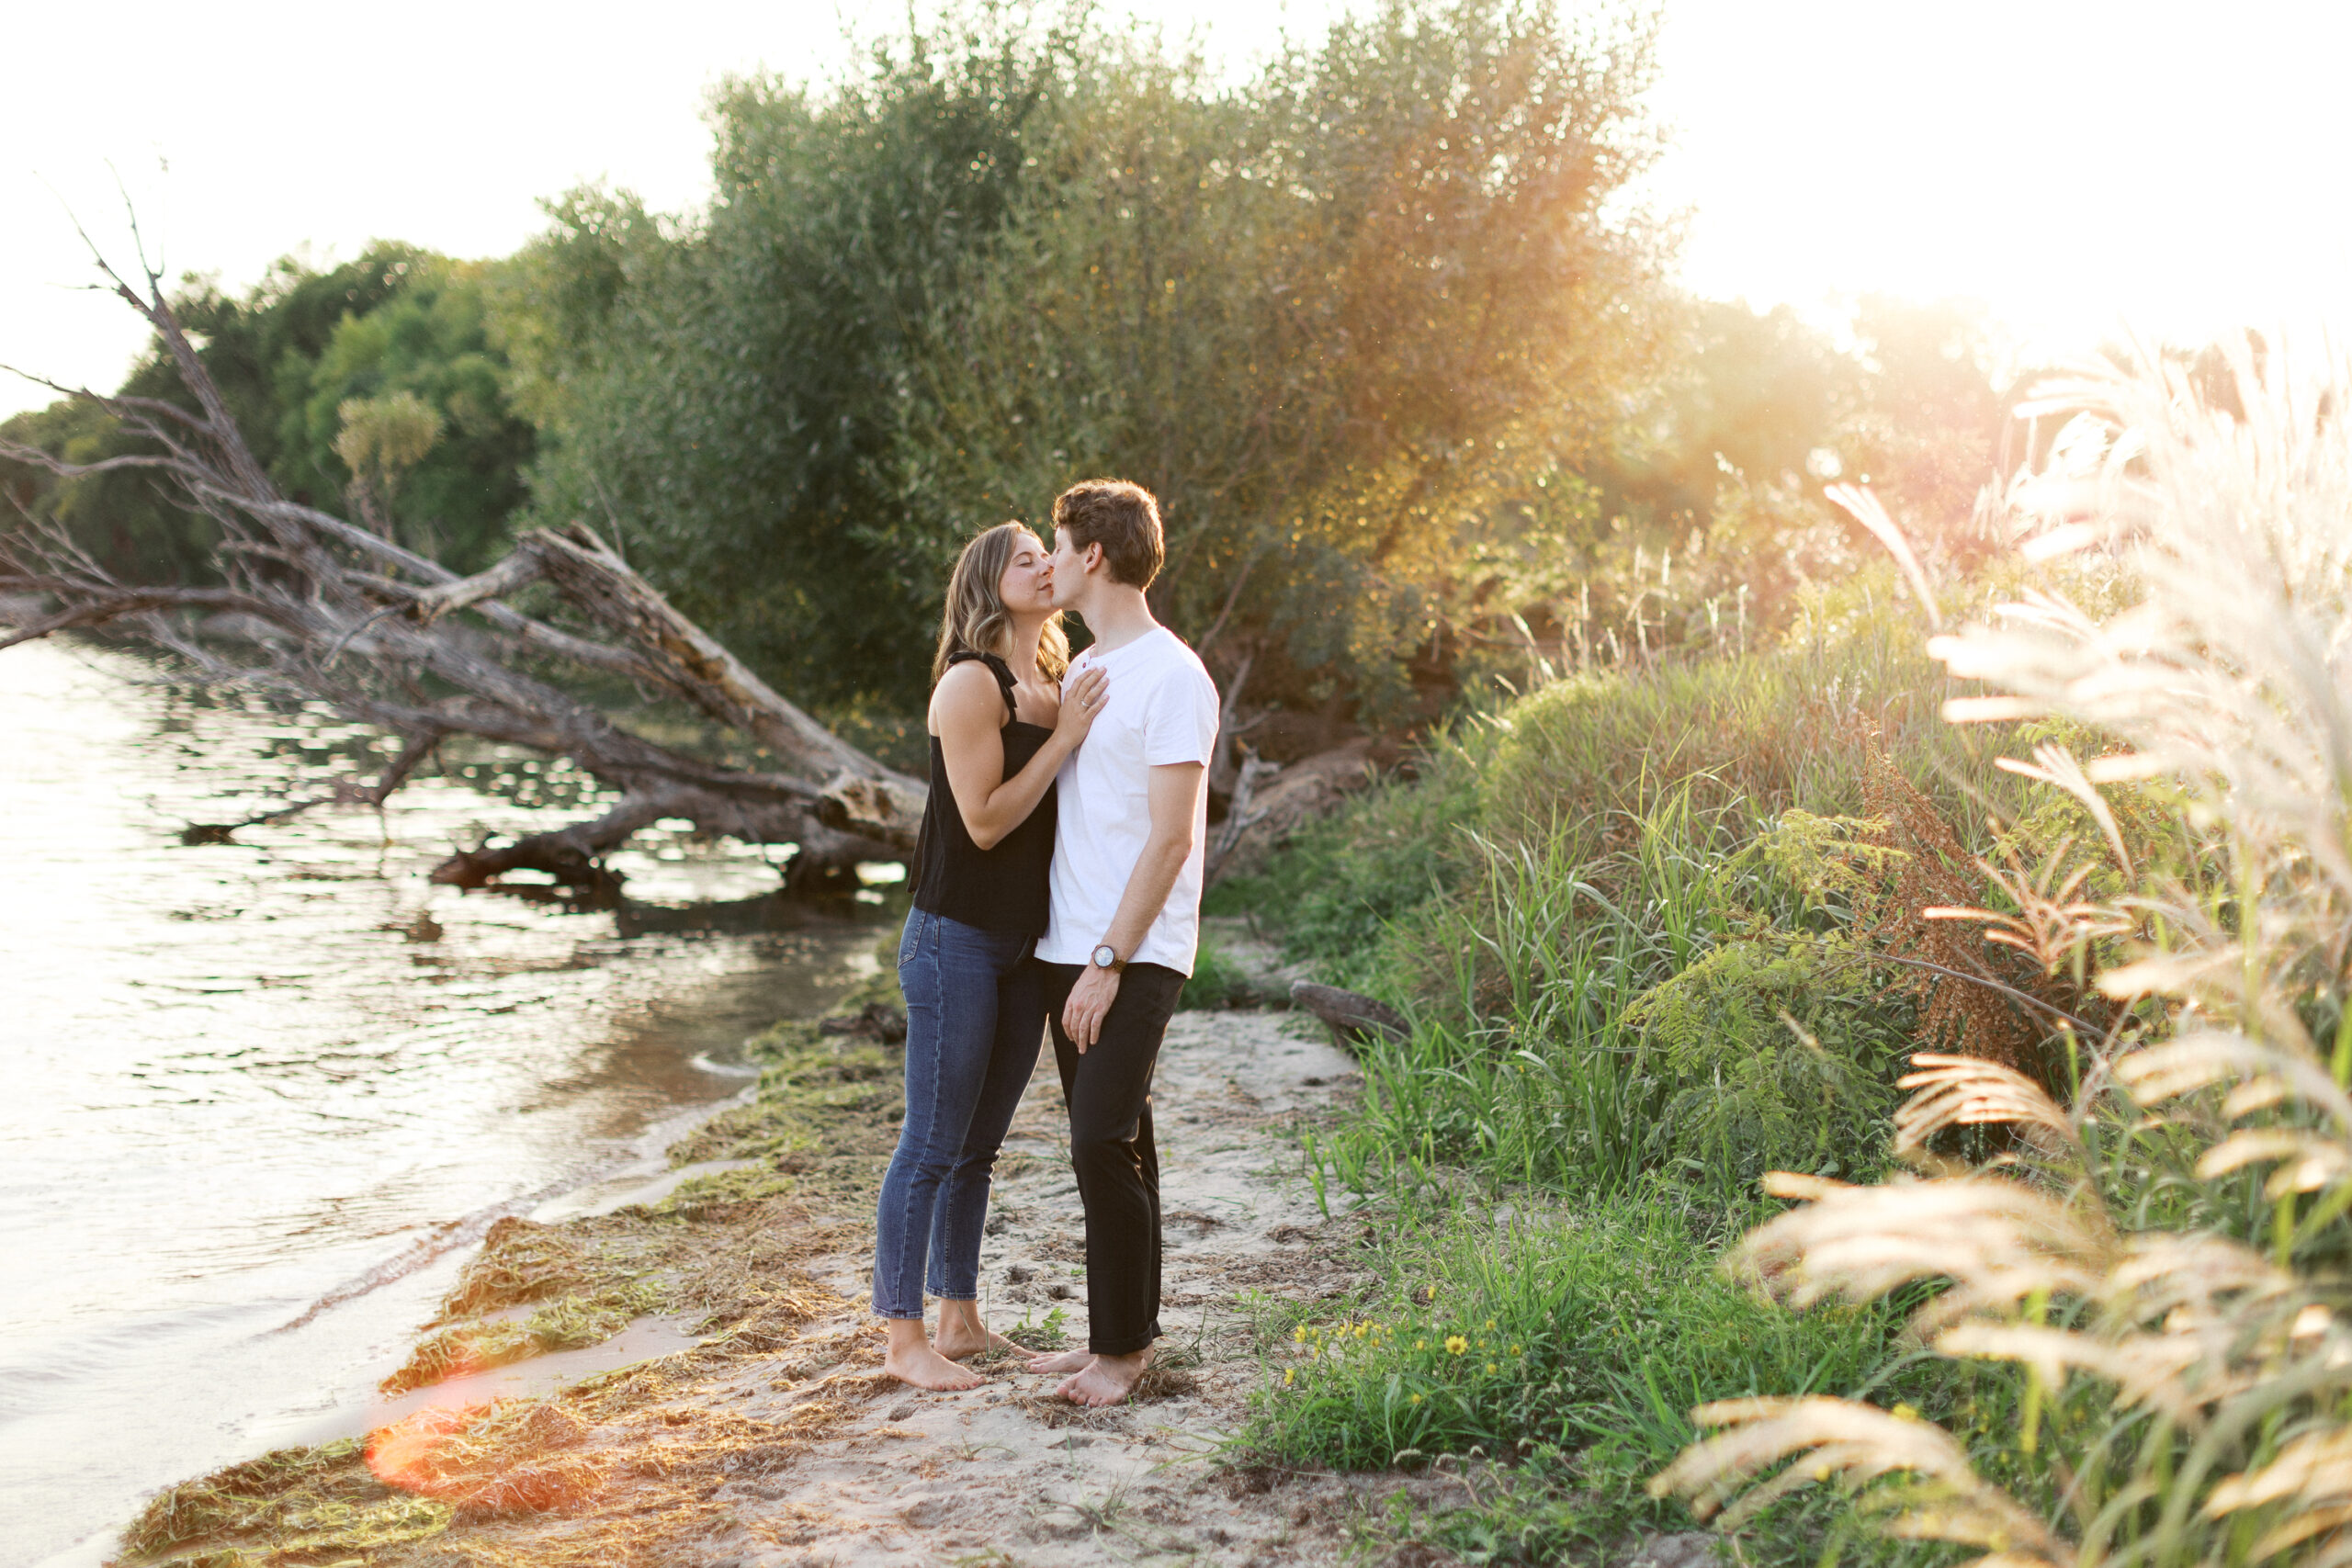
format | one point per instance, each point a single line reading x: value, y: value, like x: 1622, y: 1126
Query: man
x: 1126, y: 913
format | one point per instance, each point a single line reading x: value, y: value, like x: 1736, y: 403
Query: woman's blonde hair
x: 975, y: 618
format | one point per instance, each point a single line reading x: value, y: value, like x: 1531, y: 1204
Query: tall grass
x: 2157, y: 1260
x: 1607, y: 975
x: 2128, y: 1310
x: 1608, y: 1017
x: 1587, y: 758
x: 1625, y: 1008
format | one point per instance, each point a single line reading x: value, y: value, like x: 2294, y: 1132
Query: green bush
x: 1576, y: 904
x: 1777, y: 1056
x: 1629, y: 989
x: 1755, y: 733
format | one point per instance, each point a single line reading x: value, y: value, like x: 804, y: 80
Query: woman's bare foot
x: 1105, y: 1380
x: 1060, y: 1361
x: 962, y: 1334
x: 911, y: 1360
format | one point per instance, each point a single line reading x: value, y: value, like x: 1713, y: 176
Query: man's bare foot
x: 1061, y: 1361
x: 1105, y: 1380
x: 923, y: 1367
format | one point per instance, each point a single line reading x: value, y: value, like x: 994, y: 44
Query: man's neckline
x: 1099, y: 651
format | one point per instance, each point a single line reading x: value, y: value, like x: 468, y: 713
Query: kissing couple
x: 1058, y: 884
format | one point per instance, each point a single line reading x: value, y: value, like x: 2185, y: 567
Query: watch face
x: 1104, y: 956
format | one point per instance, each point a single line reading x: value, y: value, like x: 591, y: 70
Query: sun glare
x: 2081, y: 168
x: 2074, y: 165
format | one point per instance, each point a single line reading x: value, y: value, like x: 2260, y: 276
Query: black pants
x: 1109, y: 1093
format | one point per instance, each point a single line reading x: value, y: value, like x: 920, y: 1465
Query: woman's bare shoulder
x: 968, y: 690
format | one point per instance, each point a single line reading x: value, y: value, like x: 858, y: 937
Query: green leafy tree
x: 287, y: 356
x: 445, y: 454
x: 723, y: 398
x: 1342, y: 319
x: 1336, y: 318
x: 381, y: 439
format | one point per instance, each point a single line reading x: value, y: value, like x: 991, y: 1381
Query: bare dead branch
x: 368, y: 626
x: 99, y: 610
x: 517, y: 571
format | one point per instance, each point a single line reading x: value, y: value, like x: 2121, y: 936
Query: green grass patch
x: 1558, y: 1330
x: 826, y: 1109
x: 1565, y: 1348
x: 1661, y: 1008
x: 1628, y: 1002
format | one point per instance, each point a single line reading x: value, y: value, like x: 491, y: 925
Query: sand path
x: 1006, y: 1472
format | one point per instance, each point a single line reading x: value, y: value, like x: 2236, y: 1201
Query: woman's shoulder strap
x: 997, y: 668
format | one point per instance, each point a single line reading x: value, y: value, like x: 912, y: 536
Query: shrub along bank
x: 1634, y: 920
x: 1677, y: 932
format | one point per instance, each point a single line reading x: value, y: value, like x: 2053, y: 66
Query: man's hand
x: 1090, y: 1002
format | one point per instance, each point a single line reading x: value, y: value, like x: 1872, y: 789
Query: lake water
x: 260, y: 1096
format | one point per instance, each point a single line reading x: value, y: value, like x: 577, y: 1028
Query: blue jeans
x: 976, y: 1017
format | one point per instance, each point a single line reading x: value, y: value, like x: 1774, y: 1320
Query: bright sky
x: 2075, y: 163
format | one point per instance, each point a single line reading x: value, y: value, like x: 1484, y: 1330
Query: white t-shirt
x: 1162, y: 709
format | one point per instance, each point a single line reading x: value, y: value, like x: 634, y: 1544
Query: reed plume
x: 2158, y: 1255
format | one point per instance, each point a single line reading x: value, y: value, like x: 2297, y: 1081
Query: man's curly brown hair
x: 1122, y: 517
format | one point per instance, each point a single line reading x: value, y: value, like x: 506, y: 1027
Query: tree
x: 1341, y: 320
x: 284, y: 358
x: 424, y: 353
x: 391, y: 638
x: 1334, y: 317
x: 724, y: 399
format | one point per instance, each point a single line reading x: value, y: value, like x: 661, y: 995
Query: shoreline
x: 640, y: 1165
x: 762, y: 1432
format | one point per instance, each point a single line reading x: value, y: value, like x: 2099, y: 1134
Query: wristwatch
x: 1107, y: 957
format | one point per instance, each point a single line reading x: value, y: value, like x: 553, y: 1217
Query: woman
x: 976, y: 1010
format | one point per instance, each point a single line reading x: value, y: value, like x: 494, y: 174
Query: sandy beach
x: 760, y: 1430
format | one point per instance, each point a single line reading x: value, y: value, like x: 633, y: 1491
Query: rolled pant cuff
x: 1122, y: 1347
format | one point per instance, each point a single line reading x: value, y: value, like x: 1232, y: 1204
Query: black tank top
x: 1000, y: 889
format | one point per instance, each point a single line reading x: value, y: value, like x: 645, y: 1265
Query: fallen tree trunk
x: 394, y: 638
x: 1350, y: 1015
x: 1270, y: 804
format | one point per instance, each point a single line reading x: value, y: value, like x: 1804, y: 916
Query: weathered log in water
x: 393, y: 639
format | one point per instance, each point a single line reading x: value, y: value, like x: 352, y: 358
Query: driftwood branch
x: 1269, y: 803
x: 392, y: 638
x: 1350, y: 1015
x: 1242, y: 813
x: 1224, y: 761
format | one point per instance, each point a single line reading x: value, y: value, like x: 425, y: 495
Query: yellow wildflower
x: 1298, y: 1335
x: 1289, y: 1374
x: 1455, y: 1344
x: 1416, y: 1398
x: 1492, y: 1368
